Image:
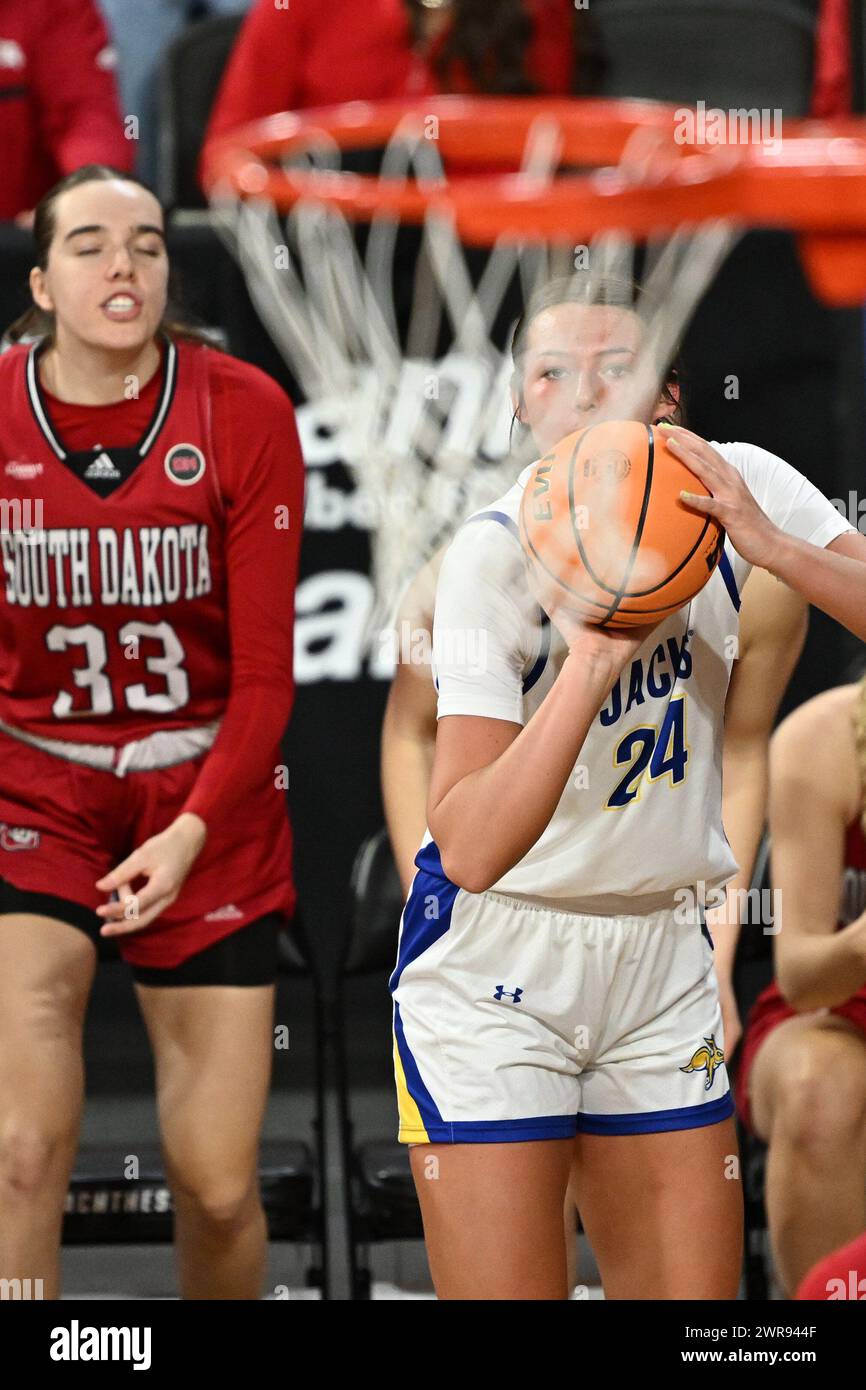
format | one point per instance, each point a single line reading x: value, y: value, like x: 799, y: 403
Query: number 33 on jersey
x: 112, y: 602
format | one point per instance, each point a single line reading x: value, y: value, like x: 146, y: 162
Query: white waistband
x: 164, y: 748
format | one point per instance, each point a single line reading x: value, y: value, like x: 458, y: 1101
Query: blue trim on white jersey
x: 727, y: 573
x: 502, y: 517
x: 541, y: 662
x: 656, y: 1121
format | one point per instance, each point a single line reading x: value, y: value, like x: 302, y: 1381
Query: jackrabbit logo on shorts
x: 184, y: 464
x: 18, y: 837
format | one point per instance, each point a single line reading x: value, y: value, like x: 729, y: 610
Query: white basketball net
x: 428, y: 435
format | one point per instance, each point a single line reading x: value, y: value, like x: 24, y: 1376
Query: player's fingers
x: 689, y: 448
x: 140, y: 918
x: 699, y: 503
x: 674, y: 431
x: 123, y: 872
x: 121, y: 899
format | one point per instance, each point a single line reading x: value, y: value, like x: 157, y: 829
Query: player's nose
x: 586, y: 391
x: 120, y: 264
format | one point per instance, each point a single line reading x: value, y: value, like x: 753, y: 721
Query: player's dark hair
x: 39, y: 323
x: 489, y: 46
x: 489, y: 40
x: 610, y: 291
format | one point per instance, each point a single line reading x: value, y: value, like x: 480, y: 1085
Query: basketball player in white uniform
x: 554, y: 993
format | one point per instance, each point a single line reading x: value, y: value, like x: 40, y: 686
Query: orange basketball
x: 604, y: 529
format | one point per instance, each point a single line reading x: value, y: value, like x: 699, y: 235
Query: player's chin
x: 122, y: 336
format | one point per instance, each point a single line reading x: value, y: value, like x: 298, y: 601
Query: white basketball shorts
x: 513, y: 1021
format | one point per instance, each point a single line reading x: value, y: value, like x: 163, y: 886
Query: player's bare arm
x: 409, y: 726
x: 496, y: 785
x: 812, y: 801
x: 773, y: 623
x: 832, y: 577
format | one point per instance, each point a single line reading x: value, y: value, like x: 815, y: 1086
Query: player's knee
x: 817, y: 1114
x: 33, y: 1158
x: 218, y: 1199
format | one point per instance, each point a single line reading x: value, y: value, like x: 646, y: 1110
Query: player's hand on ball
x: 752, y: 533
x: 613, y: 646
x: 164, y: 861
x: 593, y: 642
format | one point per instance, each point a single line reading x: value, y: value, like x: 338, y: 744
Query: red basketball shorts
x: 63, y: 826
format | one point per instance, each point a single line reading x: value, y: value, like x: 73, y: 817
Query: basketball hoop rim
x: 811, y: 179
x: 748, y: 181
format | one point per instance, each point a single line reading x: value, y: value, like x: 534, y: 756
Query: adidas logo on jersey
x: 101, y: 467
x: 229, y: 913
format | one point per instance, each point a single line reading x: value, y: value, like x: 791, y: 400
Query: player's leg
x: 657, y: 1172
x: 570, y: 1216
x: 213, y: 1046
x: 807, y: 1091
x: 663, y: 1212
x: 493, y: 1218
x: 46, y: 972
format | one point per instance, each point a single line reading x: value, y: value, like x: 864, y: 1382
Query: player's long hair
x: 489, y: 40
x: 39, y: 323
x: 585, y: 288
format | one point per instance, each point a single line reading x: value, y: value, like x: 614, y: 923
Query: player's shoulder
x: 746, y: 457
x: 496, y: 525
x: 826, y: 722
x: 484, y: 563
x: 12, y: 359
x: 240, y: 381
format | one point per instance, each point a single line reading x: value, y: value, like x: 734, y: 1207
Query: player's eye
x: 150, y: 250
x: 88, y: 251
x: 617, y: 370
x: 553, y: 373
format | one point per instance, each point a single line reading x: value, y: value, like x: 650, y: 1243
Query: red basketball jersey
x: 113, y: 619
x: 852, y: 900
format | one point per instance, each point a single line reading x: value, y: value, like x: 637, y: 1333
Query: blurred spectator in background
x: 142, y: 31
x: 841, y: 1275
x: 832, y: 94
x: 801, y: 1082
x: 315, y: 54
x: 58, y: 99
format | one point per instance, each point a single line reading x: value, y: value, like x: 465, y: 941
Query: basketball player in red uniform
x: 153, y: 491
x: 801, y: 1084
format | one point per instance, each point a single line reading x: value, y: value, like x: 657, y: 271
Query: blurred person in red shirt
x: 314, y: 55
x: 58, y: 99
x: 841, y: 1275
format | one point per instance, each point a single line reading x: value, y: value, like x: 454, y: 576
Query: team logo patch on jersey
x: 18, y: 837
x: 184, y: 464
x: 707, y: 1058
x: 19, y: 469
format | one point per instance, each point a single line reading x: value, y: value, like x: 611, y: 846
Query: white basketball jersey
x: 641, y: 815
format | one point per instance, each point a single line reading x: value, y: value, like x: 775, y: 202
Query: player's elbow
x: 466, y: 869
x: 797, y: 989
